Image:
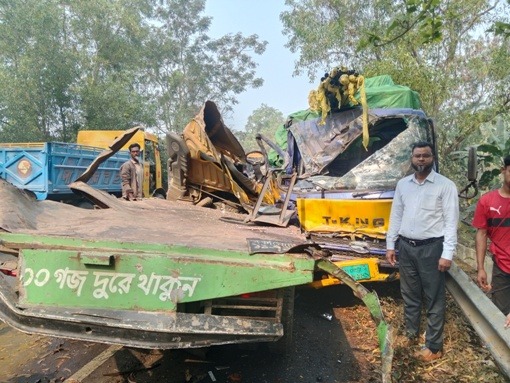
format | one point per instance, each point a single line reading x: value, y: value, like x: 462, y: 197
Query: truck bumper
x: 361, y: 270
x: 136, y: 328
x: 144, y: 295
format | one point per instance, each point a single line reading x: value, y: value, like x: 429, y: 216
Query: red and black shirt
x: 493, y: 214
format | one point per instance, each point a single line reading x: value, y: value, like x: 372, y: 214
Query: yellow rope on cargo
x: 341, y: 84
x: 318, y: 102
x: 364, y: 104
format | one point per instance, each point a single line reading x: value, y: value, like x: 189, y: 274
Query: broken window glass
x: 343, y: 162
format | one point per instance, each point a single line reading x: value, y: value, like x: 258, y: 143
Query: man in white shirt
x: 423, y: 228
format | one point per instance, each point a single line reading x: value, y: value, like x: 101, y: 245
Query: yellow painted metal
x: 349, y: 217
x: 104, y: 138
x: 206, y: 168
x: 148, y: 142
x: 373, y: 266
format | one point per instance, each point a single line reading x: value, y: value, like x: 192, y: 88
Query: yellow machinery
x: 207, y: 164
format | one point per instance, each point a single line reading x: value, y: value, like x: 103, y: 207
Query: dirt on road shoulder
x: 465, y: 358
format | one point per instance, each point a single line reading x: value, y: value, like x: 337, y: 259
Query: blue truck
x: 46, y: 169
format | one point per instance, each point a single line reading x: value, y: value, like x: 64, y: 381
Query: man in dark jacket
x: 131, y: 175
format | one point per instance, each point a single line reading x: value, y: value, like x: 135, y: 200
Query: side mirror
x: 472, y: 164
x: 471, y: 174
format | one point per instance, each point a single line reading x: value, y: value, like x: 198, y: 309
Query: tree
x: 36, y: 71
x: 441, y: 51
x: 426, y: 17
x: 325, y: 33
x: 186, y: 67
x: 106, y: 64
x: 110, y: 37
x: 264, y: 120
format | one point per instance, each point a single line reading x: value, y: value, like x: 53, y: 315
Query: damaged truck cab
x: 345, y: 192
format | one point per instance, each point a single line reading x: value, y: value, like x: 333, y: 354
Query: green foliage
x: 326, y: 33
x: 501, y: 28
x: 421, y: 15
x: 490, y: 154
x: 429, y: 19
x: 107, y: 64
x: 37, y: 72
x: 189, y: 68
x: 436, y: 48
x: 264, y: 120
x: 495, y: 136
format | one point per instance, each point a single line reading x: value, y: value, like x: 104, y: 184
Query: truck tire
x: 159, y: 193
x: 85, y: 204
x: 284, y: 345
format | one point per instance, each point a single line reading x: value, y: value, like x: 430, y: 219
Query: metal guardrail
x: 484, y: 316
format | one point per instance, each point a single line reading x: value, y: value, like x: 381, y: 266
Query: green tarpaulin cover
x: 381, y: 92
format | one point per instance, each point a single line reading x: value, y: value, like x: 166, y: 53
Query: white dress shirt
x: 426, y: 210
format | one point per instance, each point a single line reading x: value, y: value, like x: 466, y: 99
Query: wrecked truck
x: 345, y: 188
x: 207, y: 166
x: 336, y: 177
x: 154, y: 274
x: 344, y: 203
x: 335, y: 173
x: 158, y: 273
x: 175, y: 286
x: 340, y: 191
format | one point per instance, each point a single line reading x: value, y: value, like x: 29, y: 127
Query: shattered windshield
x: 381, y: 166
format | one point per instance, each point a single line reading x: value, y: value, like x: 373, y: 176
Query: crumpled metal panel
x: 320, y: 145
x: 217, y: 162
x: 383, y: 169
x: 221, y: 137
x: 205, y: 166
x: 214, y: 154
x: 206, y: 133
x: 117, y: 144
x: 135, y: 328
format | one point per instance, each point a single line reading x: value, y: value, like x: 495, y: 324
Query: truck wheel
x: 159, y: 193
x: 85, y: 204
x: 284, y: 344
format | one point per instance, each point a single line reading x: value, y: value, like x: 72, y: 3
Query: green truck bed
x: 152, y: 274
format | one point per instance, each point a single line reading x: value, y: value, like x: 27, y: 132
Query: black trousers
x: 500, y: 289
x: 421, y: 283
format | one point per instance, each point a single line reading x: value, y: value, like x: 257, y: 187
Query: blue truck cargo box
x: 47, y: 169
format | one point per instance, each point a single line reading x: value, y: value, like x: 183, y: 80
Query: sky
x: 281, y: 90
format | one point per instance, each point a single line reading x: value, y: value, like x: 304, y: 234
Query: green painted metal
x: 371, y: 300
x: 69, y: 272
x: 357, y: 272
